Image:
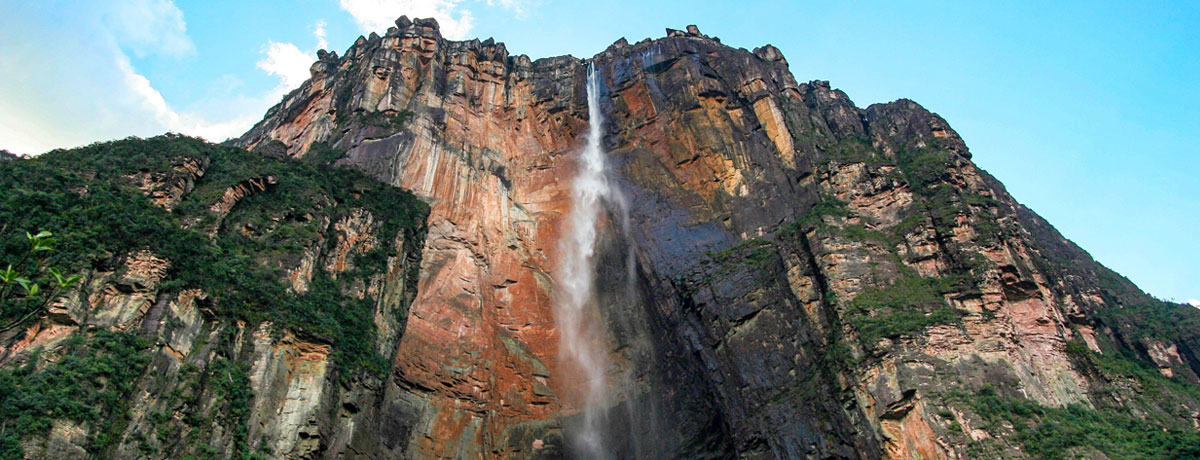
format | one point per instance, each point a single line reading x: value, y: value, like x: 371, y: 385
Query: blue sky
x: 1089, y: 113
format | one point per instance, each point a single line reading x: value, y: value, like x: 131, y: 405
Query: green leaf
x: 31, y: 288
x: 8, y: 275
x: 43, y: 244
x: 63, y: 282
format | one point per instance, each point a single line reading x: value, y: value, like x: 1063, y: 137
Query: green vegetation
x: 859, y: 232
x: 88, y: 197
x: 855, y: 150
x: 1141, y: 315
x: 1165, y: 400
x: 89, y: 383
x: 755, y: 251
x: 320, y: 153
x: 826, y: 206
x: 1155, y: 318
x: 927, y: 171
x: 21, y: 293
x: 113, y: 218
x: 1054, y: 433
x: 231, y: 382
x: 754, y: 254
x: 1138, y: 413
x: 925, y: 168
x: 1137, y: 320
x: 902, y: 308
x: 392, y: 121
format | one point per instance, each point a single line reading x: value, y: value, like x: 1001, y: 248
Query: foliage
x: 925, y: 168
x: 859, y: 232
x: 88, y: 196
x: 755, y: 250
x: 88, y: 384
x: 902, y: 308
x: 754, y: 254
x: 927, y: 171
x: 392, y: 121
x: 231, y: 382
x: 21, y: 293
x: 350, y: 325
x: 826, y: 206
x: 113, y: 218
x: 854, y: 150
x: 1142, y: 315
x: 1163, y: 399
x: 321, y: 153
x: 1053, y: 433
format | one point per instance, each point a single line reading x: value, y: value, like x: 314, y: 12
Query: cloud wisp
x: 150, y: 27
x: 378, y: 15
x: 286, y: 61
x: 319, y: 33
x: 65, y: 93
x: 70, y: 92
x: 456, y: 21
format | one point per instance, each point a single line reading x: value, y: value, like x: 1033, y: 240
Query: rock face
x: 776, y: 232
x: 254, y: 317
x: 795, y: 277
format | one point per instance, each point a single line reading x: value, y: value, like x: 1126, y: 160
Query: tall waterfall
x: 581, y: 332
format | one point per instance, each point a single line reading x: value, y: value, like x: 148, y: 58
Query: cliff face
x: 811, y: 279
x: 793, y: 276
x: 229, y: 305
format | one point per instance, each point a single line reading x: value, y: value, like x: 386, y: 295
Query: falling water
x: 582, y: 339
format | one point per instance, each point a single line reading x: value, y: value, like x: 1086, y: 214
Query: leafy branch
x: 19, y: 283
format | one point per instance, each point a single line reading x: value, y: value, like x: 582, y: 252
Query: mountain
x: 374, y: 271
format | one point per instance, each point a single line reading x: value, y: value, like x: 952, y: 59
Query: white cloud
x: 519, y: 7
x: 1194, y: 302
x: 157, y: 26
x: 286, y: 61
x: 378, y: 15
x: 150, y: 27
x: 150, y: 98
x: 70, y: 91
x: 319, y: 32
x: 168, y: 118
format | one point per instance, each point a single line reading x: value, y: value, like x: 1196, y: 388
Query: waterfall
x: 582, y: 339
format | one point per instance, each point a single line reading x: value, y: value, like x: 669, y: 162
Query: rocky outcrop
x: 238, y: 191
x: 166, y: 189
x: 296, y: 400
x: 200, y: 375
x: 762, y: 209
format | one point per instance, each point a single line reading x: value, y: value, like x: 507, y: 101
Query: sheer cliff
x: 793, y: 277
